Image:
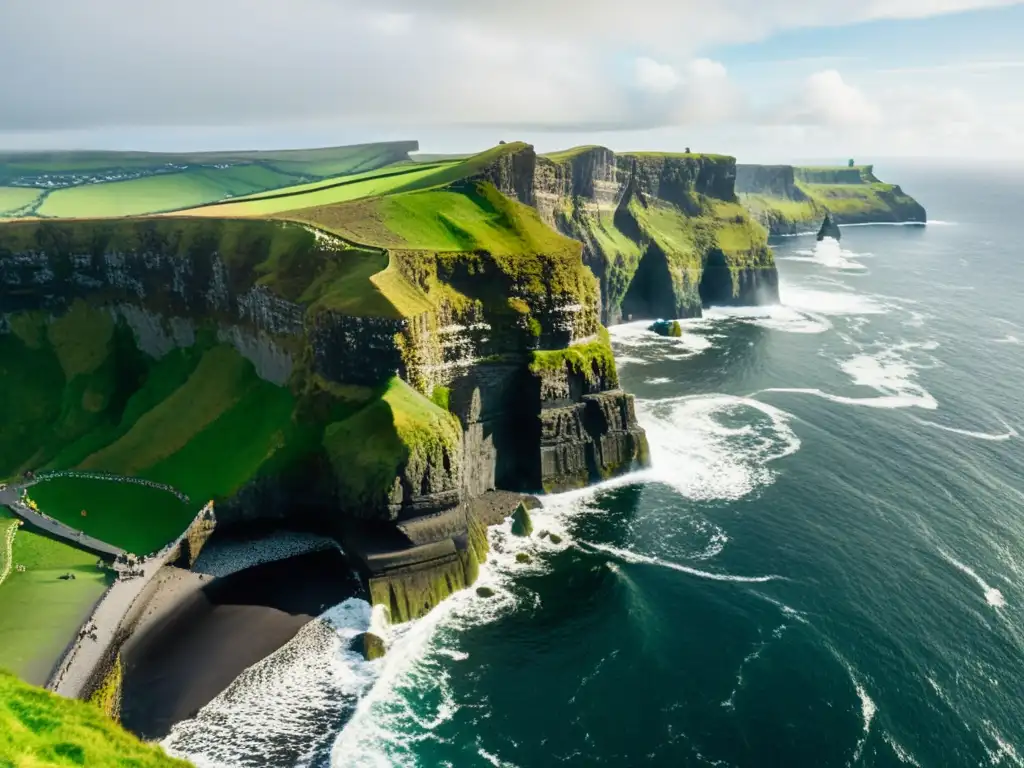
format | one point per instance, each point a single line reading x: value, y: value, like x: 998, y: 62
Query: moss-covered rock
x: 373, y: 646
x: 667, y: 328
x: 556, y: 539
x: 484, y: 592
x: 107, y: 695
x: 522, y: 525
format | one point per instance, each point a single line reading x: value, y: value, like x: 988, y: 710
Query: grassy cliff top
x: 39, y: 729
x: 690, y: 155
x: 568, y: 154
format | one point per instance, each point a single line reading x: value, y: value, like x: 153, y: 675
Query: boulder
x: 521, y: 523
x: 667, y: 328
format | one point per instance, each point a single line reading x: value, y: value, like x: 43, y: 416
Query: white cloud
x: 409, y: 67
x: 654, y: 77
x: 828, y: 100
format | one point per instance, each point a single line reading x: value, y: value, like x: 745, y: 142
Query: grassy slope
x: 57, y: 607
x: 199, y: 419
x: 369, y: 449
x: 39, y: 729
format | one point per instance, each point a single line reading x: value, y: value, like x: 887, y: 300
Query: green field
x: 13, y: 200
x: 159, y: 193
x: 57, y: 607
x: 327, y: 193
x: 137, y: 518
x: 92, y: 184
x: 39, y: 729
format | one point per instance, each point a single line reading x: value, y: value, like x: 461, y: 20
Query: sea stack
x: 829, y: 229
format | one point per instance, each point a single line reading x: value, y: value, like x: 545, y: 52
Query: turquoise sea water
x: 824, y: 567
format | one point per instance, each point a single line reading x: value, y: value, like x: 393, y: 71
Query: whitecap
x: 1004, y: 749
x: 714, y: 446
x: 274, y: 706
x: 992, y: 595
x: 637, y: 335
x: 658, y: 380
x: 1007, y: 339
x: 635, y: 557
x: 829, y: 253
x: 886, y: 371
x: 901, y: 752
x: 998, y: 437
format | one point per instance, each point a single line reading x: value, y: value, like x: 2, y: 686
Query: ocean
x: 823, y: 567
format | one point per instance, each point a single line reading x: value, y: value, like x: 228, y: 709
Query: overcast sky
x: 766, y: 80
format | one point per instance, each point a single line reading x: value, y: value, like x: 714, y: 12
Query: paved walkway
x: 10, y: 497
x: 87, y: 652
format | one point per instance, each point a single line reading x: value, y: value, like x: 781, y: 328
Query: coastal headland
x: 390, y: 358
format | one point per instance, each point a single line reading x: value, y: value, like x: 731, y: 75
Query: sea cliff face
x: 664, y: 233
x: 504, y: 381
x: 788, y: 199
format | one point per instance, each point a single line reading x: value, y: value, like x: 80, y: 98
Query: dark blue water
x: 824, y: 567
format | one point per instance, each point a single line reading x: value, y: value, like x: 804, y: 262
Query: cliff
x: 373, y: 366
x: 788, y: 199
x: 664, y: 233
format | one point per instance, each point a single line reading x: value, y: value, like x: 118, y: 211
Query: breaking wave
x: 714, y: 446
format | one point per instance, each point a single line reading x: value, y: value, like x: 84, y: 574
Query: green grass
x: 370, y: 449
x: 13, y: 200
x: 220, y: 176
x: 594, y: 360
x: 792, y: 210
x: 136, y: 518
x: 480, y: 218
x: 321, y: 194
x: 151, y: 194
x: 218, y: 383
x: 39, y: 612
x: 199, y: 420
x: 703, y: 155
x: 39, y: 729
x: 568, y: 154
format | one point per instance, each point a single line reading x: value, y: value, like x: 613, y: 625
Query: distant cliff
x: 788, y: 199
x: 664, y: 233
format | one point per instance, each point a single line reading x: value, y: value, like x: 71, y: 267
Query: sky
x: 764, y: 80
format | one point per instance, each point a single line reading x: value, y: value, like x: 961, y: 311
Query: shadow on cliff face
x: 211, y: 632
x: 650, y: 294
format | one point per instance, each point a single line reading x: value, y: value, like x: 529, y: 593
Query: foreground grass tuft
x: 39, y: 729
